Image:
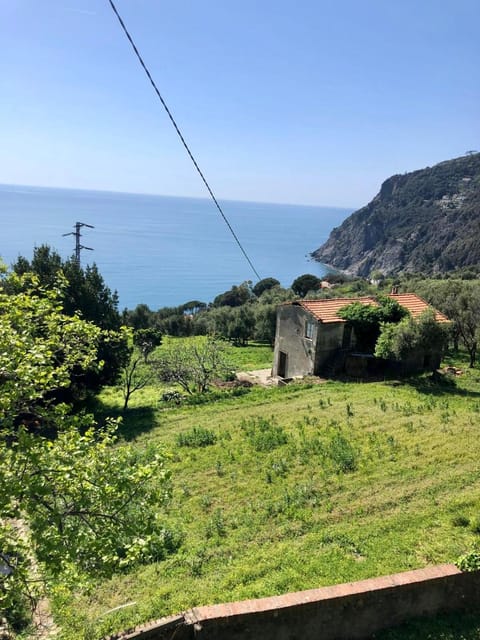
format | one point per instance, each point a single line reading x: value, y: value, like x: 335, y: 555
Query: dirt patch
x: 262, y: 377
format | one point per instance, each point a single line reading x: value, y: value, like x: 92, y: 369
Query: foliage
x: 410, y: 336
x: 342, y: 453
x: 305, y: 283
x: 460, y: 301
x: 265, y: 323
x: 84, y: 293
x: 147, y: 340
x: 87, y: 503
x: 39, y: 348
x: 91, y: 507
x: 241, y: 325
x: 470, y: 561
x: 235, y: 297
x: 367, y: 318
x: 196, y: 437
x: 136, y: 375
x: 264, y: 434
x: 192, y: 365
x: 142, y: 317
x: 264, y: 285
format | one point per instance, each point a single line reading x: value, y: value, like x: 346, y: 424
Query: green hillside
x: 291, y: 488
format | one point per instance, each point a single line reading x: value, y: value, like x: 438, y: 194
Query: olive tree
x: 193, y: 365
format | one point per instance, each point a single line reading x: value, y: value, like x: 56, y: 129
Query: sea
x: 165, y: 250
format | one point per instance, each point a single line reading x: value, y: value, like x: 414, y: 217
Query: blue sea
x: 162, y: 250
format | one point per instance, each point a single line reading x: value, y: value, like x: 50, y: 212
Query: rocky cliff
x: 427, y: 220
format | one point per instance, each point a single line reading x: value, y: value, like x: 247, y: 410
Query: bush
x: 173, y: 396
x: 469, y: 562
x: 342, y: 454
x: 196, y: 437
x: 263, y: 434
x: 460, y: 521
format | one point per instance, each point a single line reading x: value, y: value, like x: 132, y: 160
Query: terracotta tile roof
x: 416, y: 305
x: 326, y: 310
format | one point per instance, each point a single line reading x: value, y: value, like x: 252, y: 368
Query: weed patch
x: 264, y: 434
x: 196, y: 437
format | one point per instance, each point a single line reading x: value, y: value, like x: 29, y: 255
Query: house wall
x: 304, y: 356
x: 290, y: 339
x: 329, y: 340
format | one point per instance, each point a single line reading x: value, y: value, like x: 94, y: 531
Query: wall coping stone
x: 229, y: 609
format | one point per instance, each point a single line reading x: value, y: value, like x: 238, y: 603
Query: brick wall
x: 346, y: 611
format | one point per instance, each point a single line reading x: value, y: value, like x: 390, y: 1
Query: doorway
x: 282, y: 364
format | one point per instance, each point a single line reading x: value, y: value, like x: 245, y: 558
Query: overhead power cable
x: 177, y: 129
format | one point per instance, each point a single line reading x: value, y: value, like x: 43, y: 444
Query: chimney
x: 394, y: 291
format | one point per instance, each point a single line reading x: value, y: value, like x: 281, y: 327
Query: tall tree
x: 460, y: 301
x: 305, y: 283
x: 84, y: 293
x: 91, y: 507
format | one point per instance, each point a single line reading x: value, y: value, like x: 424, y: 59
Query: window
x: 309, y: 327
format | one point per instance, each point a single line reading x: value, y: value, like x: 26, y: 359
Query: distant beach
x: 162, y: 250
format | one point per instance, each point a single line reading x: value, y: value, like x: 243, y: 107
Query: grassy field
x: 291, y: 488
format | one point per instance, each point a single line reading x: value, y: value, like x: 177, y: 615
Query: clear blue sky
x: 313, y: 101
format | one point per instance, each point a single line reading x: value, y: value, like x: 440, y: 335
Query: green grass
x: 255, y: 355
x: 454, y: 626
x: 301, y: 486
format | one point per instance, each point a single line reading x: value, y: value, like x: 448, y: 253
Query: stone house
x: 312, y: 340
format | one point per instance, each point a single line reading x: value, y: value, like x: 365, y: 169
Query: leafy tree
x: 367, y: 318
x: 265, y: 323
x: 235, y: 297
x: 193, y: 307
x: 303, y: 284
x: 142, y: 317
x: 39, y: 347
x: 241, y: 325
x: 147, y: 340
x: 91, y: 507
x: 136, y: 375
x: 192, y: 365
x: 460, y: 301
x: 265, y: 285
x: 409, y: 336
x: 84, y: 293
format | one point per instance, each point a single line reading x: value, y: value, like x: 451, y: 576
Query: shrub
x: 469, y: 562
x: 342, y: 453
x: 196, y: 437
x: 460, y: 521
x: 173, y: 396
x: 263, y: 434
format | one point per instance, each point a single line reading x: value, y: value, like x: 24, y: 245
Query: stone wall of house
x: 352, y: 611
x: 329, y: 341
x: 291, y: 340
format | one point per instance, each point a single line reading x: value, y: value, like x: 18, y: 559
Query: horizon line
x: 166, y: 195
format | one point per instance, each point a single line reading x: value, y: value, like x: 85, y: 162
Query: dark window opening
x: 309, y: 327
x: 282, y: 364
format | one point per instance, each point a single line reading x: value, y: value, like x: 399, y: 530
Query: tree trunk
x: 473, y: 354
